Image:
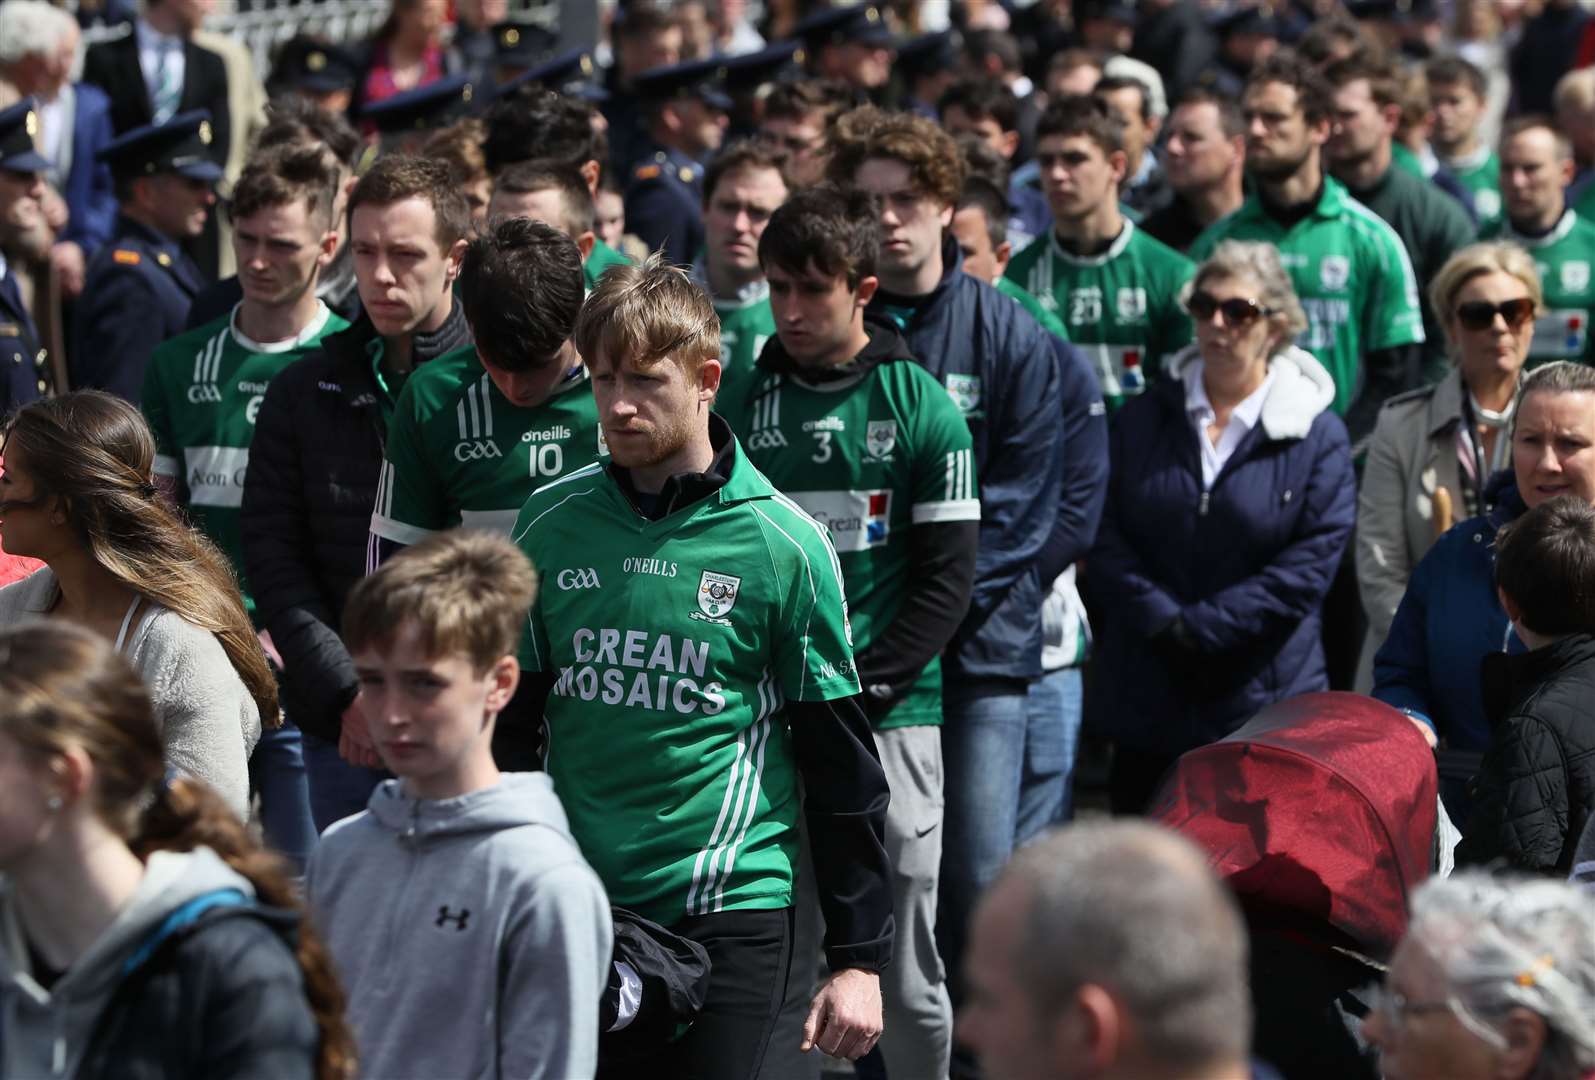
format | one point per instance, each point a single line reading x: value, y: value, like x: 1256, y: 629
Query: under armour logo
x: 458, y: 918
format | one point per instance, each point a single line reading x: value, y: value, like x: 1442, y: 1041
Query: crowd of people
x: 536, y: 557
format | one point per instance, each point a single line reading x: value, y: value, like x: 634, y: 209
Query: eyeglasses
x: 1236, y: 311
x: 1480, y: 315
x: 1398, y: 1008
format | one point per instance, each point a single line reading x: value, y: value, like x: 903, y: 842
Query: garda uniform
x: 24, y: 364
x: 139, y: 287
x: 664, y: 194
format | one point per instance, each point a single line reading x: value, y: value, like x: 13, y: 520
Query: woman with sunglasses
x: 1450, y: 618
x: 1495, y: 980
x: 1435, y: 450
x: 1230, y: 502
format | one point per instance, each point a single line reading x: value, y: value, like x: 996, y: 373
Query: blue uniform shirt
x: 24, y: 376
x: 664, y: 204
x: 136, y: 294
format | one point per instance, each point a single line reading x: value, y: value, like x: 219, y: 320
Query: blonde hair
x: 1260, y: 262
x: 1575, y: 90
x: 646, y: 313
x: 1476, y: 260
x: 466, y: 591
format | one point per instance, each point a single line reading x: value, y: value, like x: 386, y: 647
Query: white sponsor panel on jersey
x: 858, y: 520
x: 215, y: 474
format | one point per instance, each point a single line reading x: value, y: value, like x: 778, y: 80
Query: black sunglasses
x: 1237, y: 311
x: 1479, y: 315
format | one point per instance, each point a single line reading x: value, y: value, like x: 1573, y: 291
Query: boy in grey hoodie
x: 472, y: 937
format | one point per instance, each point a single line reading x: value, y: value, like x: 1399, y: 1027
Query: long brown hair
x: 96, y: 452
x: 62, y: 686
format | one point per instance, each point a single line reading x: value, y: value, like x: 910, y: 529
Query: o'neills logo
x: 656, y: 567
x: 559, y: 431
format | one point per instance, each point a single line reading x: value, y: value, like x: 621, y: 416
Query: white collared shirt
x: 151, y: 44
x: 1242, y: 419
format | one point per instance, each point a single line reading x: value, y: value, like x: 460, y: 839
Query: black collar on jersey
x: 1290, y: 215
x: 453, y: 334
x: 884, y: 344
x: 686, y: 488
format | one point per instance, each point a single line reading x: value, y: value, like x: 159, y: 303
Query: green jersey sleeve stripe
x: 958, y: 510
x: 532, y: 524
x: 398, y: 531
x: 580, y: 474
x: 498, y: 521
x: 167, y: 466
x: 819, y: 531
x: 814, y: 596
x: 753, y: 776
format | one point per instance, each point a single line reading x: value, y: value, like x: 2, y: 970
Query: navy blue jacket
x: 1209, y: 604
x: 24, y: 367
x: 1448, y: 622
x: 89, y: 191
x: 135, y: 296
x: 664, y: 204
x: 999, y: 365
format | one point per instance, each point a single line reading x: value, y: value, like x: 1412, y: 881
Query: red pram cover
x: 1321, y: 809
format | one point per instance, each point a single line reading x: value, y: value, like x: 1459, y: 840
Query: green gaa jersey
x: 459, y: 453
x: 1037, y: 311
x: 1122, y: 307
x: 1480, y: 173
x: 870, y: 457
x: 674, y: 645
x: 202, y: 390
x: 1351, y: 273
x: 745, y: 325
x: 602, y: 258
x: 1563, y: 257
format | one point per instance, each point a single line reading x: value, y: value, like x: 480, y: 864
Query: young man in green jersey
x: 1114, y: 286
x: 742, y: 186
x: 980, y: 225
x: 845, y: 423
x: 1348, y: 266
x: 1458, y: 91
x: 203, y: 390
x: 1536, y: 166
x: 554, y: 194
x: 478, y: 430
x: 693, y: 644
x: 1368, y: 95
x: 537, y: 124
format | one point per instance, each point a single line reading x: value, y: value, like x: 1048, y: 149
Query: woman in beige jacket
x: 1434, y: 450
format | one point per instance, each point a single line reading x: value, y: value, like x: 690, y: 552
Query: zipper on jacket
x: 409, y: 840
x: 1201, y: 505
x: 58, y: 1051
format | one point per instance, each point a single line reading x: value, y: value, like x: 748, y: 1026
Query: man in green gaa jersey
x: 203, y: 388
x: 1458, y: 91
x: 1348, y: 266
x: 980, y: 225
x: 553, y: 194
x: 1536, y: 165
x: 742, y: 186
x: 478, y: 430
x: 692, y: 638
x: 849, y: 427
x: 533, y: 124
x: 1115, y: 287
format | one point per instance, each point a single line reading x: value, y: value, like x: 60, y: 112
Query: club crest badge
x: 1575, y: 275
x: 1334, y: 271
x: 965, y: 392
x: 717, y: 593
x: 880, y: 438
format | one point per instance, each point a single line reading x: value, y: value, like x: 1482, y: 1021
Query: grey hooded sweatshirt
x: 45, y: 1032
x: 472, y: 938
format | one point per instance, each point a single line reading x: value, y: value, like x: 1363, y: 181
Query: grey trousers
x: 917, y: 1042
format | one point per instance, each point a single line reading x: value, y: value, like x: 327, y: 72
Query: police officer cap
x: 1394, y: 10
x: 435, y: 105
x: 696, y: 78
x: 748, y: 72
x: 929, y: 52
x: 518, y: 44
x: 570, y: 72
x: 1252, y: 20
x: 182, y: 145
x: 855, y: 24
x: 303, y: 63
x: 18, y: 126
x: 1117, y: 10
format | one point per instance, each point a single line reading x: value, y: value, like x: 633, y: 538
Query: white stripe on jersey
x: 814, y: 596
x: 575, y: 494
x: 755, y: 783
x: 819, y: 531
x: 484, y: 396
x: 459, y: 413
x: 738, y: 807
x: 706, y: 852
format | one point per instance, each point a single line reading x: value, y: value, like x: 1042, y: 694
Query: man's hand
x: 69, y: 264
x: 354, y: 744
x: 845, y: 1018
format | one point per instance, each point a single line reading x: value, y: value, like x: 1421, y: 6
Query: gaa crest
x: 879, y: 438
x: 717, y: 593
x: 965, y: 392
x: 1575, y: 275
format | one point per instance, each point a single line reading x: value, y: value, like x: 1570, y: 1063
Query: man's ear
x: 329, y: 249
x: 456, y: 256
x: 1508, y: 605
x: 1003, y: 254
x: 503, y: 677
x: 1119, y: 162
x: 1391, y: 115
x: 1010, y: 144
x: 866, y: 290
x: 1318, y: 131
x: 586, y: 242
x: 591, y: 172
x: 709, y: 379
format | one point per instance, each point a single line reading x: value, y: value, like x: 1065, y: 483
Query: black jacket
x: 113, y: 66
x: 222, y: 998
x: 312, y: 481
x: 1536, y: 788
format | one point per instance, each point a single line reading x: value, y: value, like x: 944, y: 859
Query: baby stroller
x: 1320, y: 813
